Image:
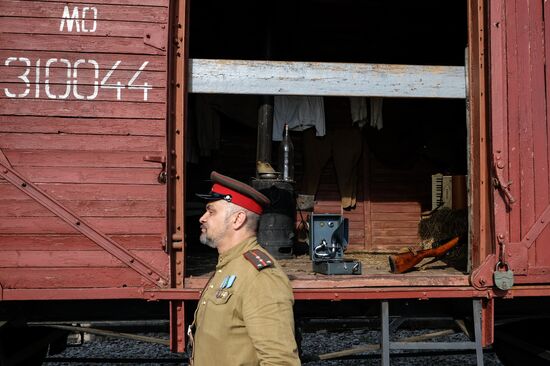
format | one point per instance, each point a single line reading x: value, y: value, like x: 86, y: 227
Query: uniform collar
x: 236, y: 251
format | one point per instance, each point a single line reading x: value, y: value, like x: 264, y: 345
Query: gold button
x: 211, y: 286
x: 219, y: 270
x: 204, y: 302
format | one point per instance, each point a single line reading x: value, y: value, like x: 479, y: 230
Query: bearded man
x: 244, y: 316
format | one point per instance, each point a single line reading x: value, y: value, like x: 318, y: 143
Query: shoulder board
x: 259, y: 259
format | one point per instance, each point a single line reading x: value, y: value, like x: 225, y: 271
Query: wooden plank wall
x: 389, y: 205
x: 83, y: 95
x: 397, y: 198
x: 393, y: 182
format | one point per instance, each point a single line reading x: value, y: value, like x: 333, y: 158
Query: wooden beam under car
x: 321, y: 78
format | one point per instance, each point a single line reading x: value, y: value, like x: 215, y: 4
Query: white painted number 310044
x: 70, y: 87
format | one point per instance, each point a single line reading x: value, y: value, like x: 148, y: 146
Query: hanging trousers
x: 344, y: 145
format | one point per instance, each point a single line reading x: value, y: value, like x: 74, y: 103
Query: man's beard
x: 212, y: 241
x: 208, y: 241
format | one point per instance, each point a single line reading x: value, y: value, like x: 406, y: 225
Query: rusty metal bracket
x: 498, y: 181
x: 537, y: 228
x: 125, y: 256
x: 482, y: 277
x: 177, y: 325
x: 502, y: 249
x: 4, y: 159
x: 155, y: 36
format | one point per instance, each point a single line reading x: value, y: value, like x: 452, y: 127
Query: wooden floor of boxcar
x: 375, y: 272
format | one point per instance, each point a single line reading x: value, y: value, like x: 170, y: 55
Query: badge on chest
x: 227, y: 282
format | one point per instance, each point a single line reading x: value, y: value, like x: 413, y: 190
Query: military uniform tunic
x: 244, y: 316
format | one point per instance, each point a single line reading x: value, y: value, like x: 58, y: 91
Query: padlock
x: 504, y: 280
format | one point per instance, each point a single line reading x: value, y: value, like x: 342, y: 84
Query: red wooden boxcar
x: 113, y: 112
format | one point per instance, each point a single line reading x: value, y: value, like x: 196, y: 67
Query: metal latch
x: 162, y: 177
x: 498, y: 182
x: 504, y: 280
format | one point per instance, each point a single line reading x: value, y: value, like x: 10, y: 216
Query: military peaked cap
x: 239, y: 193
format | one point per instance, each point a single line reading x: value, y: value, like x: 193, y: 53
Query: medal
x: 230, y: 281
x: 227, y: 282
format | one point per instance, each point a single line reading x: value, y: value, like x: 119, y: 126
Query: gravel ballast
x: 131, y: 352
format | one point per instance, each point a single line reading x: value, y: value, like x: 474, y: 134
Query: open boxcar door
x: 519, y: 46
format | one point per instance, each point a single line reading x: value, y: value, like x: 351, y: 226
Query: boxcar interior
x: 419, y: 137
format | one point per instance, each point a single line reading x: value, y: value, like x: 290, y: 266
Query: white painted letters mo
x: 78, y: 20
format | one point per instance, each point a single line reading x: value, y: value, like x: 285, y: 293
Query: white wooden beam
x: 319, y: 78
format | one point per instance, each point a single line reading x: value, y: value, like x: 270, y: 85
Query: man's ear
x: 239, y: 220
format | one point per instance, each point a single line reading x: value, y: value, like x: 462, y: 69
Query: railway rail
x: 409, y: 358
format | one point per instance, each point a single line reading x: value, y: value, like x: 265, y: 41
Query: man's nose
x: 203, y: 217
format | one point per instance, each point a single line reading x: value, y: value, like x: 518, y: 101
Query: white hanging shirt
x: 300, y: 112
x: 359, y: 110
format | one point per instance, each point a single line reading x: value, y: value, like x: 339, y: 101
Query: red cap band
x: 238, y: 198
